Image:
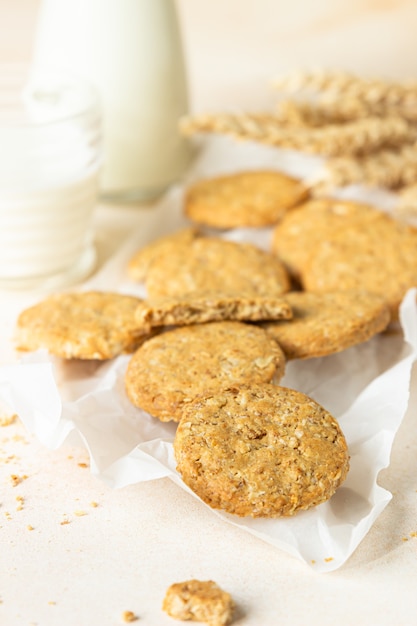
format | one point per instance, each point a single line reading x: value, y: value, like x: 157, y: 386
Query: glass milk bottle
x: 131, y: 51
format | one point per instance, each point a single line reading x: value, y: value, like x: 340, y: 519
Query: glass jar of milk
x: 131, y: 50
x: 50, y: 153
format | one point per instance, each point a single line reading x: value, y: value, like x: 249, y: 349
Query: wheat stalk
x: 337, y: 111
x: 357, y: 137
x: 340, y: 84
x: 341, y: 96
x: 392, y: 169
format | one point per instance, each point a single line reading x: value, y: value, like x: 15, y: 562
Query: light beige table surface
x: 123, y: 553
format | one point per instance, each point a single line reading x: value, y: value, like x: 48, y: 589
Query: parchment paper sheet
x: 365, y: 387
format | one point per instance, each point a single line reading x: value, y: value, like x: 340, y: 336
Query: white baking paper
x: 365, y: 387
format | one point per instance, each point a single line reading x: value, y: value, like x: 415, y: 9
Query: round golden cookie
x: 299, y: 234
x: 260, y: 451
x: 215, y: 264
x: 380, y: 258
x: 325, y: 323
x: 252, y: 198
x: 85, y: 325
x: 141, y: 261
x: 170, y: 370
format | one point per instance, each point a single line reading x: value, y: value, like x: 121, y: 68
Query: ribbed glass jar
x: 50, y: 156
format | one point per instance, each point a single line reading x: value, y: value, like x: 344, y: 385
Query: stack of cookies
x: 221, y: 319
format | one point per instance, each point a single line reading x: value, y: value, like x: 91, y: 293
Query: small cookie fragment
x: 84, y: 325
x: 325, y: 323
x: 140, y: 263
x: 250, y: 198
x: 215, y: 264
x: 261, y: 451
x: 7, y: 419
x: 129, y: 616
x: 172, y: 369
x: 201, y: 601
x: 210, y: 306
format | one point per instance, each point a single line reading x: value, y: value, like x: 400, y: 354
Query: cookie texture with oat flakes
x: 336, y: 246
x: 210, y: 306
x: 261, y: 451
x: 141, y: 261
x: 170, y: 370
x: 381, y: 259
x: 250, y: 198
x: 200, y: 601
x: 215, y: 264
x: 303, y: 230
x: 84, y: 325
x: 325, y: 323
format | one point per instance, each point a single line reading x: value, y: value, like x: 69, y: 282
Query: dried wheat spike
x: 354, y: 138
x: 302, y: 113
x: 343, y: 96
x: 315, y: 81
x: 338, y: 111
x: 265, y: 127
x: 387, y: 168
x: 338, y: 84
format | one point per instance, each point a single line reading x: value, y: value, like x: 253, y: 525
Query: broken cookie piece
x: 201, y: 601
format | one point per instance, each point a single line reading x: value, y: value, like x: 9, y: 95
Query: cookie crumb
x: 80, y: 513
x: 129, y: 616
x: 65, y: 521
x: 94, y: 504
x: 15, y: 479
x: 404, y: 538
x: 202, y: 601
x: 83, y: 465
x: 7, y: 420
x: 413, y: 534
x: 10, y: 458
x: 328, y: 559
x: 20, y: 500
x: 29, y: 527
x: 20, y: 439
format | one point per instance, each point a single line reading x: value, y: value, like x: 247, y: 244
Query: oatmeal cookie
x: 170, y: 370
x: 200, y: 601
x: 210, y: 306
x: 139, y: 264
x: 381, y: 260
x: 299, y: 234
x: 250, y: 198
x: 355, y: 247
x: 84, y: 325
x: 324, y: 323
x: 260, y: 451
x: 215, y: 264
